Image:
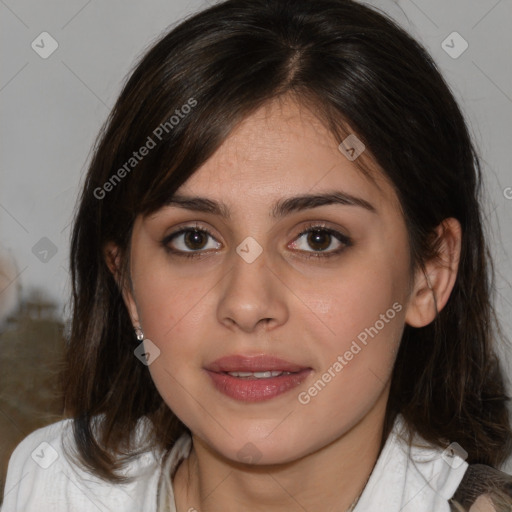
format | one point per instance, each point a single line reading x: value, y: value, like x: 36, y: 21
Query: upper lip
x: 258, y: 363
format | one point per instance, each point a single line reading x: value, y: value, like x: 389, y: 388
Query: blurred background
x: 63, y: 66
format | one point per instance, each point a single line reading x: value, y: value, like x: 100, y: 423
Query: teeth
x: 258, y: 375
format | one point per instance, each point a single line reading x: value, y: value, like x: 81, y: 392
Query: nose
x: 253, y: 296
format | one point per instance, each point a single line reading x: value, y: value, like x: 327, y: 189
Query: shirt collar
x: 418, y: 477
x: 415, y: 477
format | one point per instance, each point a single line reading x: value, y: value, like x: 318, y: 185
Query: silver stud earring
x: 139, y: 333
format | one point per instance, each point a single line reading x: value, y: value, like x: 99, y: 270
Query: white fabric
x: 411, y: 479
x: 65, y: 487
x: 417, y: 479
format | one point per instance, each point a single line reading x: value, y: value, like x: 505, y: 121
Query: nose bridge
x: 251, y: 291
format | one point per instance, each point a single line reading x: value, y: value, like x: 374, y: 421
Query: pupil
x: 317, y: 237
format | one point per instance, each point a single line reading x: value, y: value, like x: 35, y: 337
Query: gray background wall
x: 52, y: 108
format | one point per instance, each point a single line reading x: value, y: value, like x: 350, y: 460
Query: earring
x: 139, y: 333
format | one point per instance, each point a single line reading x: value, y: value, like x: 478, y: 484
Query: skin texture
x: 308, y: 311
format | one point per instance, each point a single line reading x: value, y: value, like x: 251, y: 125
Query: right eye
x: 189, y: 242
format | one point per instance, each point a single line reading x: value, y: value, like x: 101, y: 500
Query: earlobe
x: 434, y: 284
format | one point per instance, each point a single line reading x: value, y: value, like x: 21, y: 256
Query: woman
x: 281, y: 285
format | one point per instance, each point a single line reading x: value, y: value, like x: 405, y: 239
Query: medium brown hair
x: 355, y: 68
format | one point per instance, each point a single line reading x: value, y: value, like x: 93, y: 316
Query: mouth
x: 255, y: 378
x: 253, y: 364
x: 258, y: 375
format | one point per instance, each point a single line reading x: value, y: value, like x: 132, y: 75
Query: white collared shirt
x: 41, y: 478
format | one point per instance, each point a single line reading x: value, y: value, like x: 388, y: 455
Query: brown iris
x: 195, y: 239
x: 319, y: 239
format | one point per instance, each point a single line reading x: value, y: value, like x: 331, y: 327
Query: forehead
x: 283, y: 149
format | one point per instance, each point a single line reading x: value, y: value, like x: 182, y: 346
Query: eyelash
x: 345, y: 240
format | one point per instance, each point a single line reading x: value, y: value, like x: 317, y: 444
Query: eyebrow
x: 279, y: 209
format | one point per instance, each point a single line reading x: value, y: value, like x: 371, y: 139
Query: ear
x: 112, y: 255
x: 432, y: 288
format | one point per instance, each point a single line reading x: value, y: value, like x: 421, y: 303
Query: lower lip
x: 256, y: 390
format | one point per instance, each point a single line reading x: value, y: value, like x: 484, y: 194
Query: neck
x: 331, y: 478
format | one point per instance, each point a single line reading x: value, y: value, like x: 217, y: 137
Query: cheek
x: 356, y: 298
x: 362, y: 312
x: 167, y: 299
x: 355, y: 359
x: 171, y: 319
x: 170, y: 310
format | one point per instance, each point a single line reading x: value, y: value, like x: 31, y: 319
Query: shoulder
x: 41, y: 475
x: 35, y: 464
x: 46, y: 435
x: 466, y: 487
x: 411, y: 474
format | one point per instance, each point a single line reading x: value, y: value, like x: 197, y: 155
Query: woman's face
x: 327, y: 306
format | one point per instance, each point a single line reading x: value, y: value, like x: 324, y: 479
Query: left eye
x: 320, y: 239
